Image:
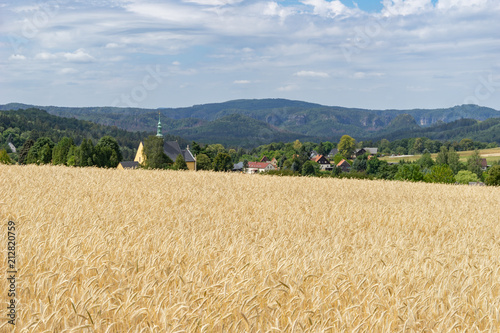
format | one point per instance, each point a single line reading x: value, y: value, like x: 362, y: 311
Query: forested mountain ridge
x: 19, y: 125
x: 271, y: 120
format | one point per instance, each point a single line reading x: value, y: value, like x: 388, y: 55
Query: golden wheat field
x: 164, y: 251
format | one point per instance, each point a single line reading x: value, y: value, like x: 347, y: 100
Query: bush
x: 409, y: 172
x: 310, y: 168
x: 440, y: 174
x: 493, y: 177
x: 4, y: 157
x: 180, y: 163
x: 222, y: 162
x: 203, y: 162
x: 465, y: 177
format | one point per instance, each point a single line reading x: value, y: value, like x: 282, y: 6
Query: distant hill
x: 34, y: 123
x: 239, y: 130
x: 484, y: 131
x: 266, y: 120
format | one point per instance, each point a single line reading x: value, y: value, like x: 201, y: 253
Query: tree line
x: 105, y: 154
x: 293, y: 158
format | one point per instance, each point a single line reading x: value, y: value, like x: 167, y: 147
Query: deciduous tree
x: 23, y: 154
x: 474, y: 163
x: 154, y: 155
x: 4, y: 157
x: 346, y: 146
x: 493, y: 177
x: 465, y: 177
x: 61, y: 150
x: 441, y: 173
x: 203, y: 162
x: 310, y: 168
x: 180, y: 163
x: 40, y: 152
x: 409, y: 172
x: 223, y: 162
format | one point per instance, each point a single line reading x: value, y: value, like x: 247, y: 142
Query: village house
x: 324, y: 163
x: 238, y: 167
x: 333, y: 152
x: 344, y: 166
x: 484, y: 164
x: 256, y: 167
x: 362, y: 151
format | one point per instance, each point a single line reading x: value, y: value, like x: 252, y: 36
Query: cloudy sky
x: 365, y: 53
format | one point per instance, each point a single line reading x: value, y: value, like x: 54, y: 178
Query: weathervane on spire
x: 158, y: 131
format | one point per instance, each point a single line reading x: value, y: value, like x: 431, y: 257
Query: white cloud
x: 363, y: 75
x: 408, y: 45
x: 449, y: 4
x: 214, y: 2
x: 117, y: 58
x: 406, y: 7
x: 418, y: 89
x: 79, y: 56
x: 312, y: 74
x: 17, y: 57
x: 274, y: 9
x: 68, y: 71
x: 45, y: 56
x: 290, y: 87
x: 112, y: 46
x: 328, y: 8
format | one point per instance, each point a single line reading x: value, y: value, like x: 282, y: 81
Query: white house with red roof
x: 255, y: 167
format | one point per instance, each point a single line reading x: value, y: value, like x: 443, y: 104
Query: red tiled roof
x: 258, y: 165
x: 342, y: 162
x: 317, y: 158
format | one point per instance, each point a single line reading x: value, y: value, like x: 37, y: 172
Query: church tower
x: 158, y: 131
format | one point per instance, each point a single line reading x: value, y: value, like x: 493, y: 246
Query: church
x: 171, y: 149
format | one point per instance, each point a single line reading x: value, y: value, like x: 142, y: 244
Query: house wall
x: 191, y: 166
x: 252, y: 170
x: 324, y: 166
x: 120, y: 167
x: 139, y: 155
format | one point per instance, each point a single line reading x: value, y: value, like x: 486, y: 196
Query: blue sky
x: 145, y: 53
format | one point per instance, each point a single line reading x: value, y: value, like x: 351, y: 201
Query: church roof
x: 188, y: 157
x: 172, y: 150
x: 129, y: 164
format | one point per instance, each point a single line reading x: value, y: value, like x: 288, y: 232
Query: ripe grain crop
x: 165, y: 251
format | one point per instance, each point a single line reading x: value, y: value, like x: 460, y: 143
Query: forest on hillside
x: 21, y: 125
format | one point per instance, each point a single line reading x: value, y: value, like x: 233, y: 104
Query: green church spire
x: 158, y: 131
